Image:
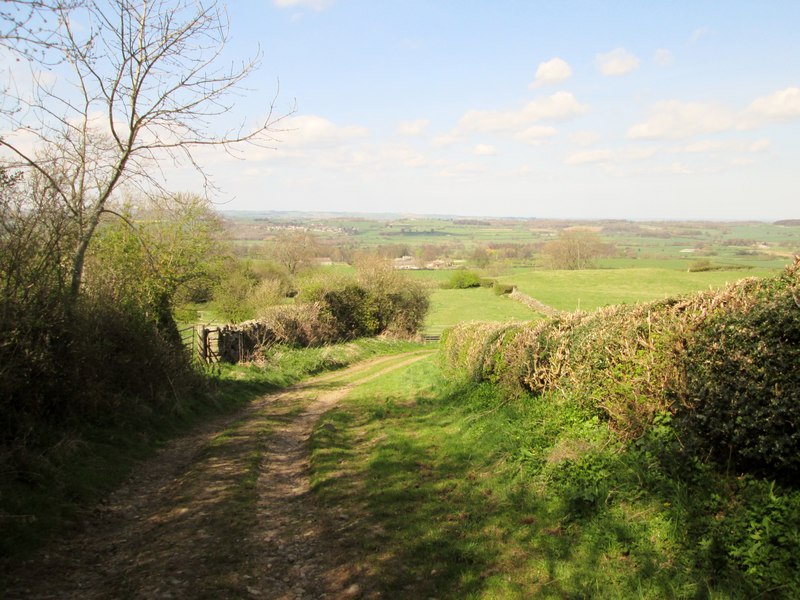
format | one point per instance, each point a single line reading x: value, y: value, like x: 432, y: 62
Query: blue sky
x: 641, y: 110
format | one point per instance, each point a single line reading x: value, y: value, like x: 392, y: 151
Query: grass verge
x: 464, y: 493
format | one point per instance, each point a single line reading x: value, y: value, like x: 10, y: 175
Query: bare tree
x: 295, y: 250
x: 147, y: 83
x: 27, y: 26
x: 576, y: 249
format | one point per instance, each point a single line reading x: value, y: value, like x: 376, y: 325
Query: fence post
x: 203, y: 350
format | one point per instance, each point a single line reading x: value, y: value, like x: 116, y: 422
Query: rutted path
x: 222, y: 513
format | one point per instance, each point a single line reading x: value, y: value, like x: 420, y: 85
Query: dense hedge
x: 725, y: 363
x: 83, y: 363
x: 741, y: 387
x: 328, y: 313
x: 462, y: 280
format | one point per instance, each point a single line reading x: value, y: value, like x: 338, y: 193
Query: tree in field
x: 295, y: 250
x: 481, y: 257
x: 138, y: 82
x: 575, y: 249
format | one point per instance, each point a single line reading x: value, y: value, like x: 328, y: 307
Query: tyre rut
x: 223, y: 512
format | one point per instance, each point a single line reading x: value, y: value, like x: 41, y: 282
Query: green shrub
x: 702, y: 265
x: 462, y: 280
x: 502, y: 289
x: 85, y: 364
x: 352, y: 313
x: 334, y: 310
x: 356, y: 311
x: 233, y: 292
x: 583, y: 483
x: 761, y: 535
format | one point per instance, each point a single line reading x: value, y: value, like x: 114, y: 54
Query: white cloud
x: 723, y: 146
x: 413, y: 128
x: 317, y: 5
x: 384, y: 158
x: 589, y: 156
x: 446, y: 139
x: 675, y: 168
x: 308, y: 131
x: 552, y: 71
x: 699, y: 34
x: 484, y: 150
x: 676, y: 120
x: 611, y: 156
x: 561, y: 106
x: 663, y: 57
x: 464, y: 169
x: 705, y: 146
x: 584, y: 138
x: 759, y: 146
x: 783, y: 105
x: 535, y: 134
x: 617, y: 62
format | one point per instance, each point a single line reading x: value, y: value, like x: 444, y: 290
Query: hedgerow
x: 462, y: 280
x: 332, y: 311
x: 701, y: 396
x: 725, y: 363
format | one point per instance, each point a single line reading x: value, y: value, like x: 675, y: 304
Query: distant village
x: 269, y: 225
x: 409, y: 263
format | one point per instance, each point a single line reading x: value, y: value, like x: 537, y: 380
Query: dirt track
x: 222, y: 513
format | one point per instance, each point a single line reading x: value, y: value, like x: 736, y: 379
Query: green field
x: 450, y: 307
x: 738, y: 242
x: 646, y: 260
x: 592, y: 289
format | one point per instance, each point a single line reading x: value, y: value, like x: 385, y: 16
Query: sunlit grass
x: 450, y: 307
x: 594, y: 288
x: 462, y: 493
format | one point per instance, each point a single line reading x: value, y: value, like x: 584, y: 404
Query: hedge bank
x: 725, y: 364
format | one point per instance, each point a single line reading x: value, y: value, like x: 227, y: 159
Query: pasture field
x: 649, y: 261
x: 682, y: 263
x: 737, y: 241
x: 595, y: 288
x: 450, y: 307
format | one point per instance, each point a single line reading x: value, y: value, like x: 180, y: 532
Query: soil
x: 225, y: 512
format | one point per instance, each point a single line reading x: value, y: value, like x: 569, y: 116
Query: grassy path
x: 453, y: 490
x: 224, y: 512
x: 391, y: 479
